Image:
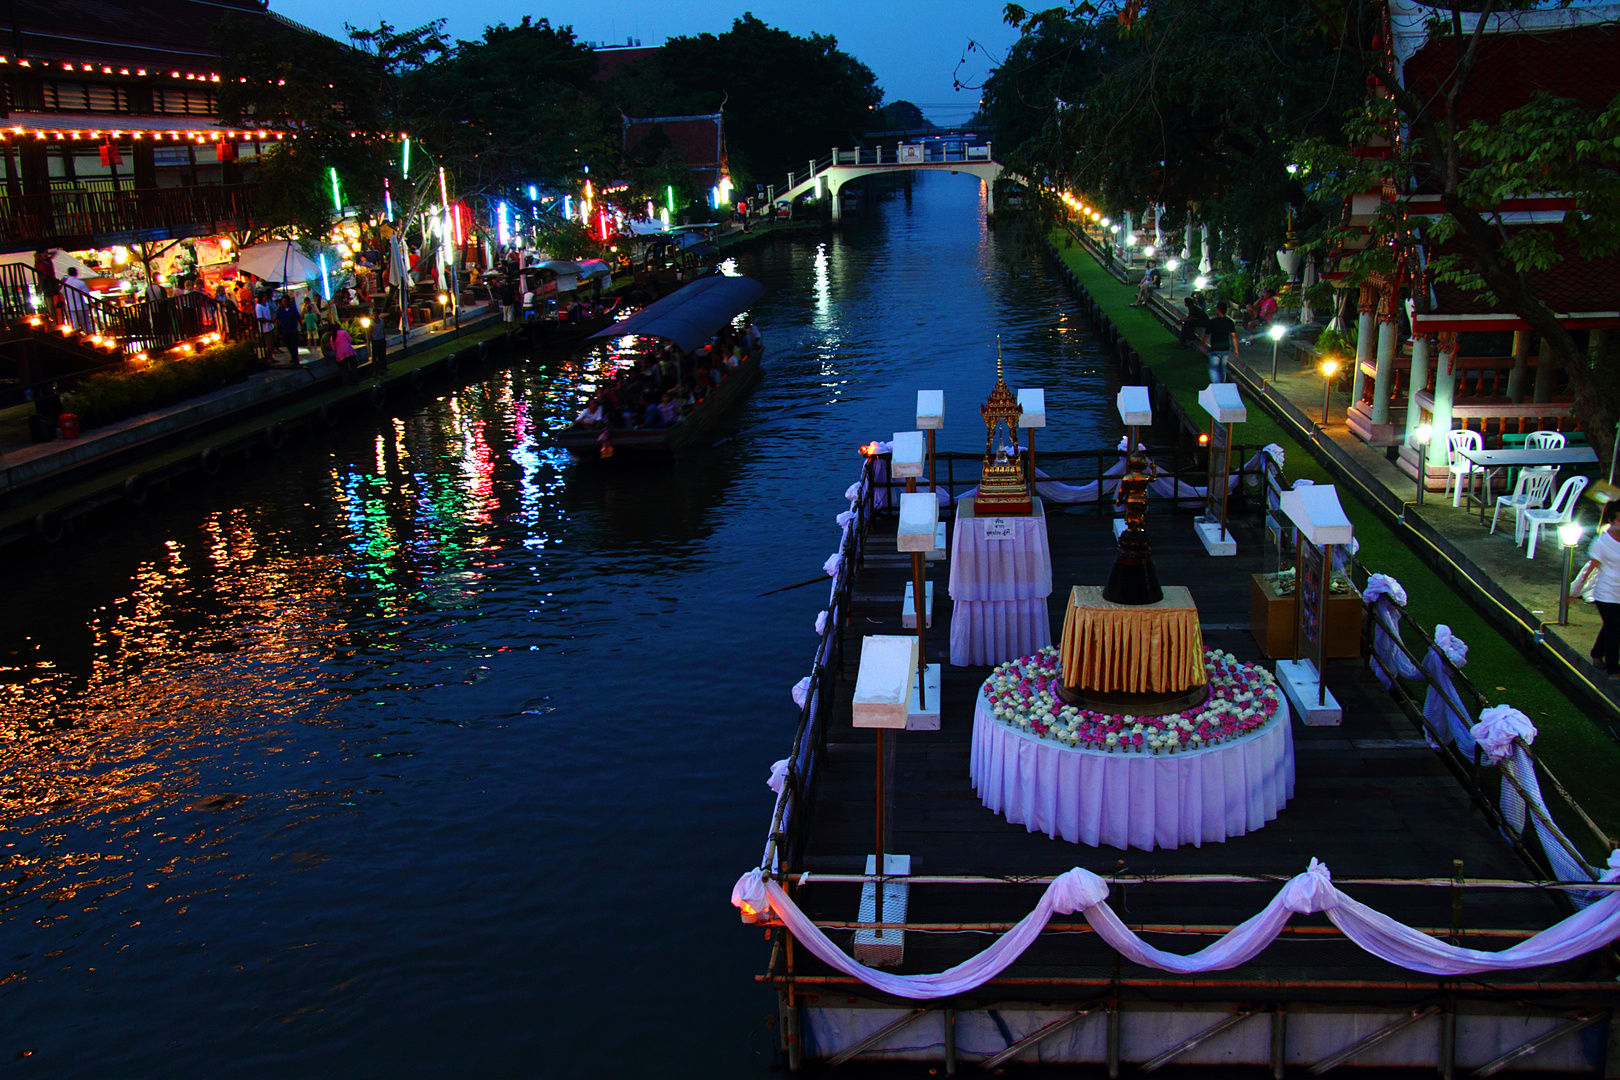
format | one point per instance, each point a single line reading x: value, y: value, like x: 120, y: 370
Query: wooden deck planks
x: 1370, y: 799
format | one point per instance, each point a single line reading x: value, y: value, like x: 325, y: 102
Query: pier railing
x: 790, y: 817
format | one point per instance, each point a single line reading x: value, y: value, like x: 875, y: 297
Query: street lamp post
x: 1570, y: 533
x: 1330, y: 368
x: 1423, y: 434
x: 1277, y: 332
x: 1170, y: 267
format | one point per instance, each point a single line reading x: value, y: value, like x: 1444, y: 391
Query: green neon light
x: 337, y: 198
x: 405, y: 165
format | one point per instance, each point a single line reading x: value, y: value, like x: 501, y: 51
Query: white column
x: 1445, y: 386
x: 1385, y: 371
x: 1365, y: 342
x: 1521, y: 365
x: 1420, y: 379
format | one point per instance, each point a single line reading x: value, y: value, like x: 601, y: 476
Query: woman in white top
x: 1605, y: 556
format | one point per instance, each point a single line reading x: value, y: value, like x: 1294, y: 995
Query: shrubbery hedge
x: 118, y: 395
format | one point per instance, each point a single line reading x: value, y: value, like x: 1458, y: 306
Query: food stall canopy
x: 589, y: 268
x: 60, y: 259
x: 278, y: 260
x: 690, y: 316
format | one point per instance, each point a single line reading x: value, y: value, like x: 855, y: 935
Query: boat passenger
x: 670, y: 407
x: 652, y: 416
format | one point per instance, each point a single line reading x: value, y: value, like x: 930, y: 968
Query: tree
x: 903, y: 116
x: 1474, y: 162
x: 786, y: 99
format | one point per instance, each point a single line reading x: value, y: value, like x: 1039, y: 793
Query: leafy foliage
x: 118, y: 395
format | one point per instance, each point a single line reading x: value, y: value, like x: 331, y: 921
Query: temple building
x: 1429, y: 352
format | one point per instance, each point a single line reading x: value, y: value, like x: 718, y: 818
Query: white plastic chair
x: 1562, y: 509
x: 1457, y: 466
x: 1530, y: 493
x: 1544, y: 440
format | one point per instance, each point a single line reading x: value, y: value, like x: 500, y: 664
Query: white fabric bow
x: 834, y: 561
x: 1455, y: 648
x: 1383, y: 585
x: 1497, y: 728
x: 749, y: 896
x: 845, y: 517
x: 801, y: 691
x: 778, y: 778
x: 1310, y: 892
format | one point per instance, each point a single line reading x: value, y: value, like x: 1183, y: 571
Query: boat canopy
x: 589, y: 268
x: 691, y: 316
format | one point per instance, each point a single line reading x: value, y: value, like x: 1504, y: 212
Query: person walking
x: 379, y: 343
x: 1222, y: 342
x: 1603, y: 572
x: 265, y: 317
x: 311, y: 318
x: 76, y: 297
x: 343, y: 352
x: 287, y: 325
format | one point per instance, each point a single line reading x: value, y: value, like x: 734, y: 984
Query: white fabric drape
x: 1307, y: 893
x: 998, y: 590
x: 1165, y: 487
x: 1443, y: 706
x: 1390, y: 660
x: 1144, y: 801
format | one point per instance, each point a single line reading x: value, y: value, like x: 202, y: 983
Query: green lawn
x: 1570, y: 744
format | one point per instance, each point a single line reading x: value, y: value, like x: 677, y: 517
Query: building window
x: 169, y: 156
x: 183, y: 102
x: 60, y: 96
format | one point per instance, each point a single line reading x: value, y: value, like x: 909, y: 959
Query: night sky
x: 913, y: 48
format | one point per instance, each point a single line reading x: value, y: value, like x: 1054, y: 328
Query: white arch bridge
x: 949, y: 153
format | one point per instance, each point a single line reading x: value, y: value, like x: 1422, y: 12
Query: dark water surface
x: 419, y: 750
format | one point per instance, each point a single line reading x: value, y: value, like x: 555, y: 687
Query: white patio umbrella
x: 1186, y: 242
x: 1306, y: 315
x: 1205, y: 263
x: 278, y: 260
x: 60, y: 260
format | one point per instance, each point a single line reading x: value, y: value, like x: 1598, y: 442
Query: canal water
x: 419, y: 749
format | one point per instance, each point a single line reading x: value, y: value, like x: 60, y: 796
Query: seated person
x: 1194, y: 322
x: 652, y: 416
x: 592, y: 416
x: 670, y: 407
x: 1265, y: 310
x: 1150, y: 282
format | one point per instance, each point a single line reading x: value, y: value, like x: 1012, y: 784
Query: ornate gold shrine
x: 1002, y: 490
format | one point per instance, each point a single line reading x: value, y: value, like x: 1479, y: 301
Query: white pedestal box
x: 886, y: 682
x: 1223, y: 402
x: 919, y: 718
x: 919, y: 522
x: 1214, y: 540
x: 1033, y: 403
x: 1301, y: 684
x: 938, y: 551
x: 1120, y: 525
x: 931, y: 409
x: 908, y: 608
x: 909, y: 457
x: 1135, y: 406
x: 883, y: 948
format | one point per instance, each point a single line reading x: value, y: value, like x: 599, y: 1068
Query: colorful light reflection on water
x: 421, y: 749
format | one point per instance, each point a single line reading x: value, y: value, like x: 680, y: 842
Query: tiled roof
x: 126, y: 32
x: 1574, y: 284
x: 1582, y: 63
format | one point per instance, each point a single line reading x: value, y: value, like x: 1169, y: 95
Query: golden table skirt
x: 1118, y: 648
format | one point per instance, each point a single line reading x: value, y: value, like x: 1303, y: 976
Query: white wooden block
x: 1033, y: 403
x: 931, y: 409
x: 1299, y: 682
x: 883, y: 686
x: 883, y: 948
x: 938, y: 550
x: 908, y: 607
x: 1135, y: 406
x: 919, y: 521
x: 1214, y: 540
x: 924, y: 715
x: 1120, y: 525
x: 1315, y: 511
x: 1222, y: 401
x: 910, y: 456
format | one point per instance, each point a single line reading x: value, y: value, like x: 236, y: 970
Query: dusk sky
x: 914, y: 48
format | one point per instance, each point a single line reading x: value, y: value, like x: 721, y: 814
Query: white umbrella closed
x: 278, y: 260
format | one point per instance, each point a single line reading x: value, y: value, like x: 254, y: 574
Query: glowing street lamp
x: 1570, y: 532
x: 1277, y: 332
x: 1200, y: 283
x: 1170, y: 267
x: 1330, y: 368
x: 1421, y: 436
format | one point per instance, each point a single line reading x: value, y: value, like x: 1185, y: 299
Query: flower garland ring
x: 1243, y: 698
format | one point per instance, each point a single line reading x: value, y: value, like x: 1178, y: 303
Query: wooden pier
x: 1372, y: 801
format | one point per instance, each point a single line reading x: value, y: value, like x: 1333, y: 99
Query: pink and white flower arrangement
x: 1242, y: 698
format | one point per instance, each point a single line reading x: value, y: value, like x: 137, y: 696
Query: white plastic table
x: 1126, y: 800
x: 1001, y: 575
x: 1494, y: 461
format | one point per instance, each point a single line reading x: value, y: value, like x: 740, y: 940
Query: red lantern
x: 226, y: 151
x: 110, y: 155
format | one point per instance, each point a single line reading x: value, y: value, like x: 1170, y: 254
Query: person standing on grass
x: 1603, y: 571
x: 1222, y: 342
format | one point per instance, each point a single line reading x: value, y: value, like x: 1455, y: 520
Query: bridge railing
x: 934, y: 151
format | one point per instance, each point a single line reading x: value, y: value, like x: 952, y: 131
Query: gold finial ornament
x: 1002, y: 490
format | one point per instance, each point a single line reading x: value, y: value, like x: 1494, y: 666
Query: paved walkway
x: 1455, y: 572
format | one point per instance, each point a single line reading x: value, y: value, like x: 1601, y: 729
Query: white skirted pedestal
x: 1001, y: 575
x: 1128, y: 800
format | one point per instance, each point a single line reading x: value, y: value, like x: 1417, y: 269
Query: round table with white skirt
x: 1129, y: 800
x: 999, y: 586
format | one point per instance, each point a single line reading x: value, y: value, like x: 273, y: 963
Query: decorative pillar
x: 1521, y: 365
x: 1388, y: 329
x: 1364, y: 341
x: 1418, y: 383
x: 1445, y: 386
x: 1545, y: 372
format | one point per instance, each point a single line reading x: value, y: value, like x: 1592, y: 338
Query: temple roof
x: 1582, y: 292
x: 148, y: 33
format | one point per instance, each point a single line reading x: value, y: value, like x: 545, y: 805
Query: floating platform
x: 1372, y: 800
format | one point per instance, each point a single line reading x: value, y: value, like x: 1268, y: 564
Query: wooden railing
x: 98, y: 218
